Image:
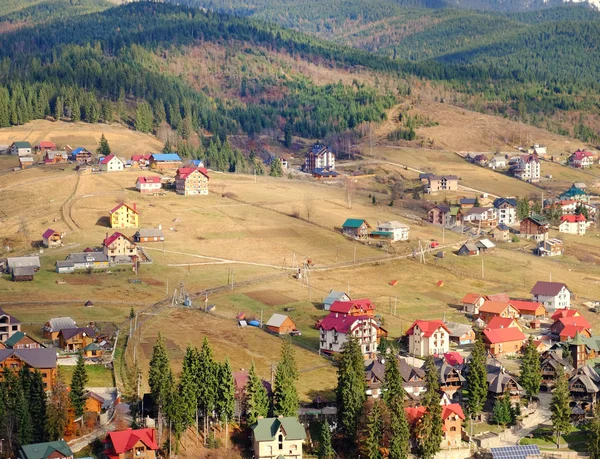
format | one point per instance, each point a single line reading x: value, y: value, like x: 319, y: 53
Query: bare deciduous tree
x: 309, y: 207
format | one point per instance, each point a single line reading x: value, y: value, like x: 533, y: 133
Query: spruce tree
x: 144, y: 117
x: 24, y: 423
x: 168, y: 148
x: 103, y: 148
x: 207, y: 383
x: 351, y: 388
x: 59, y: 108
x: 106, y: 111
x: 392, y: 386
x: 325, y: 450
x: 531, y: 372
x: 287, y: 135
x: 187, y: 390
x: 160, y: 378
x: 78, y: 382
x: 257, y: 399
x: 38, y: 407
x: 431, y: 428
x: 226, y: 393
x: 276, y: 169
x: 399, y: 431
x: 559, y: 406
x: 477, y: 378
x: 59, y: 404
x: 502, y: 410
x: 593, y: 434
x: 373, y: 433
x: 285, y: 396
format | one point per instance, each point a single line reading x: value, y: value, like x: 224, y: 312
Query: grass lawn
x: 545, y: 439
x: 98, y: 375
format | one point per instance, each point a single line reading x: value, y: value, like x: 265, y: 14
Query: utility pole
x: 355, y: 253
x: 167, y: 286
x: 482, y: 271
x: 395, y: 305
x: 443, y: 234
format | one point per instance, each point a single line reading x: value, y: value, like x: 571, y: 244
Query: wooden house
x: 460, y: 334
x: 124, y: 216
x: 529, y: 309
x: 49, y: 450
x: 491, y: 309
x: 549, y: 367
x: 356, y: 228
x: 81, y: 155
x: 281, y: 324
x: 53, y: 327
x: 503, y: 341
x: 149, y: 235
x: 451, y: 379
x: 584, y: 386
x: 500, y: 382
x: 93, y: 350
x: 500, y: 233
x: 503, y: 322
x: 20, y: 340
x: 534, y: 227
x: 23, y: 274
x: 51, y: 238
x: 41, y: 359
x: 165, y: 161
x: 131, y: 443
x: 359, y: 307
x: 44, y: 146
x: 56, y: 157
x: 75, y: 339
x: 468, y: 249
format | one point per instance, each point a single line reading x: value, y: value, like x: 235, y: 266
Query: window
x: 452, y: 429
x: 280, y: 441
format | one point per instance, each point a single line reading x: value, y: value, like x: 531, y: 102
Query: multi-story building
x: 148, y: 185
x: 118, y: 246
x: 486, y: 217
x: 124, y: 216
x: 507, y: 210
x: 319, y: 157
x: 336, y: 329
x: 111, y: 163
x: 553, y: 295
x: 527, y: 168
x: 581, y: 159
x: 41, y: 359
x: 428, y: 337
x: 191, y: 182
x: 437, y: 183
x: 278, y: 438
x: 394, y: 231
x: 8, y: 325
x: 164, y: 161
x: 573, y: 224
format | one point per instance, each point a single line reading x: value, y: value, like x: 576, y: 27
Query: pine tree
x: 523, y: 209
x: 559, y: 406
x: 477, y: 378
x: 226, y: 393
x: 106, y: 111
x: 392, y: 386
x: 325, y: 448
x: 502, y: 411
x: 351, y: 387
x: 373, y: 433
x: 285, y: 396
x: 206, y: 383
x: 59, y: 108
x: 531, y: 372
x: 593, y: 434
x: 287, y: 135
x: 168, y: 148
x: 276, y: 169
x: 160, y: 378
x: 144, y: 117
x: 59, y: 404
x: 78, y: 382
x: 103, y: 148
x: 188, y: 392
x: 257, y: 399
x: 399, y: 431
x: 38, y: 407
x: 24, y: 422
x: 431, y: 429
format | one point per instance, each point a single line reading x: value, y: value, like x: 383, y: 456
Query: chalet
x: 575, y: 194
x: 549, y: 366
x: 573, y: 224
x: 24, y: 274
x: 191, y: 182
x: 111, y: 163
x: 468, y: 249
x: 527, y: 168
x: 44, y: 146
x: 571, y: 206
x: 428, y: 337
x: 486, y: 217
x: 500, y: 233
x: 124, y: 216
x: 550, y: 248
x: 579, y: 350
x: 451, y: 380
x: 467, y: 203
x: 413, y: 379
x: 26, y: 161
x: 22, y: 262
x: 324, y: 173
x: 497, y: 162
x: 584, y: 386
x: 375, y: 377
x: 99, y: 403
x: 491, y: 309
x: 356, y: 228
x: 56, y: 157
x: 506, y: 209
x: 534, y: 227
x: 281, y: 324
x: 48, y: 450
x: 437, y: 183
x: 500, y: 382
x: 81, y: 156
x: 75, y: 339
x: 165, y: 161
x: 140, y: 161
x: 392, y: 231
x: 82, y: 260
x: 581, y: 159
x: 503, y: 341
x: 332, y: 297
x: 131, y: 443
x: 93, y: 350
x: 20, y: 149
x: 553, y: 295
x: 119, y: 248
x: 278, y: 437
x: 53, y: 327
x: 149, y: 235
x: 319, y: 157
x: 51, y: 238
x: 360, y: 307
x: 336, y: 328
x: 41, y: 359
x: 503, y: 322
x: 460, y: 334
x: 148, y: 185
x: 472, y: 302
x: 8, y: 326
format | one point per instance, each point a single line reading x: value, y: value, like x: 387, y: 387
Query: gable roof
x: 44, y: 450
x: 49, y: 232
x: 125, y: 440
x: 413, y: 414
x: 454, y: 358
x: 503, y: 335
x: 185, y: 172
x: 149, y: 232
x: 471, y: 298
x: 494, y: 307
x: 340, y: 323
x: 23, y: 271
x: 526, y: 306
x: 277, y: 320
x: 16, y: 337
x: 485, y: 244
x: 500, y: 322
x: 452, y: 408
x: 108, y: 159
x: 58, y: 323
x: 548, y: 288
x: 499, y: 380
x: 574, y: 320
x: 428, y: 327
x: 334, y: 296
x: 344, y: 307
x: 503, y: 297
x: 22, y: 144
x: 34, y: 357
x: 570, y: 331
x: 22, y: 262
x: 457, y: 330
x: 471, y: 247
x: 559, y: 313
x: 500, y: 201
x: 68, y: 333
x: 265, y: 429
x: 166, y: 157
x: 112, y: 238
x: 572, y: 218
x: 152, y: 179
x: 121, y: 205
x: 11, y: 320
x: 355, y: 223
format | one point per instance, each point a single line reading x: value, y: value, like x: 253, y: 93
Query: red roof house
x: 503, y: 341
x: 575, y: 323
x: 569, y: 332
x: 428, y: 327
x: 428, y: 337
x: 154, y: 179
x: 353, y: 307
x: 503, y: 322
x: 573, y: 218
x: 560, y: 313
x: 453, y: 358
x: 335, y: 329
x: 131, y: 443
x: 529, y: 308
x: 503, y: 297
x: 472, y: 302
x: 46, y: 145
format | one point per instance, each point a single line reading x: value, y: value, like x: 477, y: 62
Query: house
x: 437, y: 183
x: 485, y: 245
x: 468, y: 249
x: 148, y: 185
x: 578, y: 348
x: 575, y: 194
x: 111, y: 163
x: 319, y: 157
x: 44, y: 146
x: 164, y: 161
x: 538, y: 149
x: 324, y: 173
x: 83, y: 260
x: 53, y: 327
x: 191, y: 182
x: 559, y: 313
x: 360, y: 307
x: 124, y: 216
x: 506, y: 209
x: 51, y: 238
x: 140, y: 160
x: 428, y: 337
x: 527, y: 168
x: 500, y: 382
x: 332, y: 297
x: 413, y: 379
x: 281, y: 324
x: 450, y: 378
x: 497, y: 162
x: 534, y: 227
x: 48, y: 450
x: 529, y: 310
x: 480, y: 159
x: 553, y: 295
x: 149, y: 235
x: 196, y: 163
x: 20, y: 340
x: 375, y: 377
x: 20, y: 149
x: 26, y: 161
x: 356, y: 228
x: 584, y: 386
x: 118, y: 247
x: 81, y: 156
x: 23, y: 274
x: 581, y: 159
x: 500, y: 233
x: 549, y: 366
x: 336, y: 328
x: 22, y: 262
x: 452, y: 417
x: 503, y: 341
x: 472, y: 302
x: 97, y: 403
x: 570, y: 326
x: 8, y: 325
x: 467, y: 203
x: 491, y: 309
x: 131, y: 443
x: 41, y: 359
x: 55, y: 157
x: 240, y: 382
x: 439, y: 215
x: 454, y: 359
x: 392, y: 231
x: 573, y: 224
x: 486, y: 217
x: 503, y: 322
x: 460, y: 333
x: 550, y: 248
x: 93, y: 350
x: 75, y: 339
x: 279, y: 437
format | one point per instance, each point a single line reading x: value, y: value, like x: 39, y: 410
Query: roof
x: 573, y: 218
x: 500, y: 201
x: 526, y: 306
x: 453, y: 408
x: 25, y: 159
x: 184, y: 172
x: 498, y: 380
x: 21, y: 262
x: 124, y: 440
x: 23, y: 271
x: 454, y: 358
x: 45, y: 450
x: 334, y: 296
x: 14, y: 339
x: 427, y: 326
x: 574, y: 320
x: 570, y: 331
x: 470, y: 247
x: 344, y: 307
x: 108, y: 159
x: 440, y: 177
x: 277, y: 320
x: 354, y: 223
x: 166, y: 157
x: 149, y: 232
x: 548, y: 288
x: 494, y: 307
x: 457, y: 330
x: 564, y: 313
x: 78, y: 150
x: 471, y: 298
x: 240, y: 379
x: 121, y: 205
x: 502, y: 227
x: 537, y: 219
x: 112, y: 238
x: 148, y: 179
x: 58, y: 323
x: 265, y: 429
x: 22, y: 144
x: 393, y: 224
x: 82, y: 257
x: 342, y: 324
x: 46, y: 144
x: 68, y: 333
x: 503, y: 335
x: 11, y: 319
x: 34, y: 357
x: 500, y: 322
x: 486, y: 244
x: 515, y: 452
x: 48, y: 233
x: 92, y: 347
x: 324, y: 172
x: 468, y: 200
x: 413, y: 414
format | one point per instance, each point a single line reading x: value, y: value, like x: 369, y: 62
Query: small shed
x: 88, y: 304
x: 333, y: 297
x: 22, y: 274
x: 281, y: 324
x: 485, y: 245
x: 468, y: 249
x: 535, y: 324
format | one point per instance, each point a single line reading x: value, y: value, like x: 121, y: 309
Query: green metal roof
x: 22, y: 145
x: 266, y: 429
x: 383, y: 233
x: 92, y: 347
x: 44, y: 450
x: 14, y: 339
x: 353, y: 223
x: 577, y: 340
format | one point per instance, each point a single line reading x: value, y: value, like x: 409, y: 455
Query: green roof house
x: 356, y: 228
x: 574, y: 193
x: 49, y: 450
x: 20, y: 149
x: 278, y: 438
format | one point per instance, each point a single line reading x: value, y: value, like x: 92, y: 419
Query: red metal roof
x: 575, y: 320
x: 344, y: 307
x: 499, y: 297
x: 526, y: 306
x: 427, y: 326
x: 454, y: 358
x: 580, y: 154
x: 573, y: 218
x: 503, y: 335
x: 49, y: 232
x: 471, y: 298
x: 149, y: 179
x: 342, y: 324
x: 107, y: 159
x: 125, y: 440
x: 565, y: 313
x: 47, y: 144
x: 183, y: 172
x: 500, y: 322
x: 109, y: 240
x: 571, y: 330
x: 453, y: 408
x: 413, y: 414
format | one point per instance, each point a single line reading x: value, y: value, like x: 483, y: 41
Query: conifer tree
x: 399, y: 431
x: 392, y: 386
x: 559, y: 406
x: 351, y: 387
x: 206, y: 383
x: 24, y: 423
x: 276, y: 169
x: 59, y: 108
x: 226, y: 393
x: 257, y: 399
x: 593, y: 434
x: 106, y: 111
x: 187, y: 390
x: 325, y: 448
x: 59, y: 404
x: 430, y: 432
x: 168, y: 148
x: 38, y: 407
x: 143, y: 117
x: 373, y: 433
x: 502, y: 411
x: 103, y: 147
x: 477, y: 378
x: 531, y: 372
x: 78, y: 382
x: 285, y: 396
x: 160, y: 379
x: 287, y: 135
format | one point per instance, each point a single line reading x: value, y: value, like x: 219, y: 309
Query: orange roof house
x: 472, y: 302
x: 560, y: 313
x: 490, y: 309
x: 530, y: 309
x: 360, y: 307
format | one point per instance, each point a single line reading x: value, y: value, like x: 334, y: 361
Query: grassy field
x: 544, y: 438
x: 98, y: 375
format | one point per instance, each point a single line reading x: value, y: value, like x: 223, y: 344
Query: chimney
x: 134, y: 207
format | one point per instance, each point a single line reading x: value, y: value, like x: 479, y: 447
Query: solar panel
x: 515, y: 452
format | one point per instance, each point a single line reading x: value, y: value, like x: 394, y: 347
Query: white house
x: 278, y: 437
x: 506, y: 209
x: 111, y: 163
x: 497, y: 162
x: 334, y: 296
x: 527, y: 168
x: 336, y: 328
x: 428, y: 337
x: 319, y: 157
x: 472, y: 302
x: 20, y: 149
x: 148, y: 185
x: 553, y: 295
x: 573, y: 224
x: 581, y: 159
x: 486, y: 216
x: 396, y: 231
